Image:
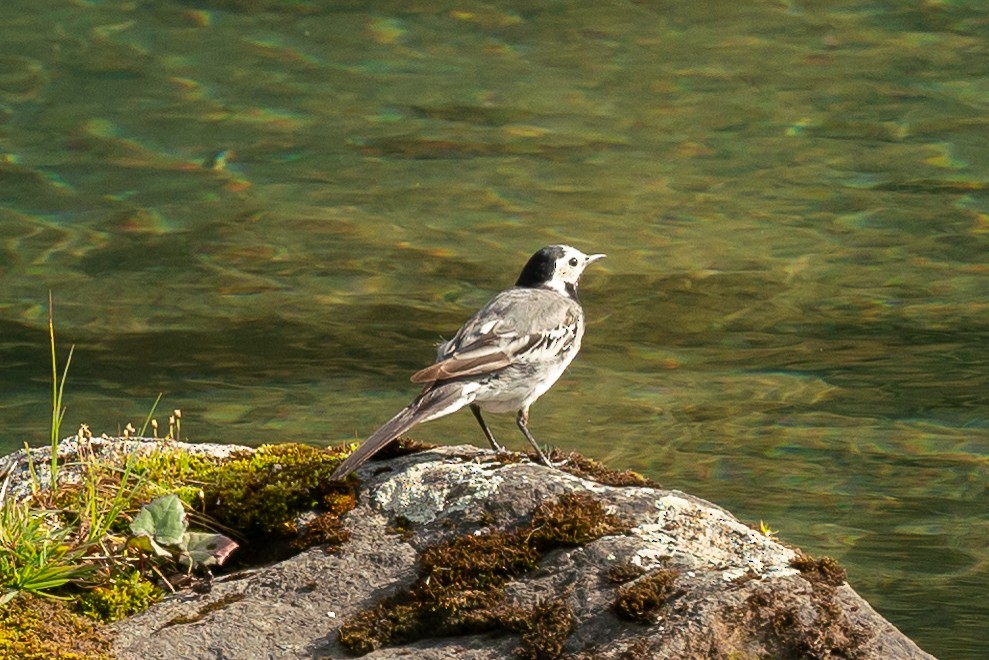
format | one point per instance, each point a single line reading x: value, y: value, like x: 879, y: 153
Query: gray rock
x: 735, y: 593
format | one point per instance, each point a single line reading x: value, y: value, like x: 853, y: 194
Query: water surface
x: 271, y: 211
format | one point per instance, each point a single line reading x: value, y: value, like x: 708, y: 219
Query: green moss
x: 641, y: 600
x: 175, y: 471
x: 170, y: 467
x: 265, y: 490
x: 460, y: 588
x: 33, y: 628
x: 120, y: 597
x: 339, y: 502
x: 259, y: 491
x: 258, y: 495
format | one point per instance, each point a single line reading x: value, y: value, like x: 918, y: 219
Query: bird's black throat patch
x: 539, y: 269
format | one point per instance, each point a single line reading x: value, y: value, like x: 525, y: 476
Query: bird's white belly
x: 503, y: 401
x: 515, y: 388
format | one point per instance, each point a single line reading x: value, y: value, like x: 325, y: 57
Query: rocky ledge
x: 456, y: 553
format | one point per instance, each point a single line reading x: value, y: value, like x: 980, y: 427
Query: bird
x: 505, y: 356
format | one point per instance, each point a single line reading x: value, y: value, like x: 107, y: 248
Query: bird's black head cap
x: 540, y: 267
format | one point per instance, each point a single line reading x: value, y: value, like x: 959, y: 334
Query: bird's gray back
x: 519, y: 311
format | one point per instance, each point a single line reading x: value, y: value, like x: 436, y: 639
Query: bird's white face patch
x: 569, y: 267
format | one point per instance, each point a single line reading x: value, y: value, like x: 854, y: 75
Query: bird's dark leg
x: 523, y: 421
x: 476, y: 409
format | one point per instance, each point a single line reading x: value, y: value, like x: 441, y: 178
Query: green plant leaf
x: 163, y: 520
x: 205, y: 549
x: 145, y: 543
x: 51, y: 576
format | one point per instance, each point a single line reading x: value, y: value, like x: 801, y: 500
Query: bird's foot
x: 545, y: 460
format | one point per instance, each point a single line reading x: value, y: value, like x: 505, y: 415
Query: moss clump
x: 460, y: 588
x: 122, y: 596
x: 577, y: 519
x: 575, y: 464
x: 544, y: 628
x: 642, y: 600
x: 793, y: 631
x: 339, y: 501
x: 401, y: 447
x: 622, y: 573
x: 33, y: 628
x: 174, y: 471
x: 587, y: 468
x: 476, y: 562
x: 258, y: 494
x: 825, y: 570
x: 259, y: 491
x: 818, y: 629
x: 325, y: 529
x: 264, y: 490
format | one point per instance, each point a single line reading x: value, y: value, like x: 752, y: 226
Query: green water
x: 272, y: 211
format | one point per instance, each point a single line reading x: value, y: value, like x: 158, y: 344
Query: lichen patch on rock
x: 419, y: 498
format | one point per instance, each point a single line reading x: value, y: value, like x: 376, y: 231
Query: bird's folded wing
x: 458, y: 366
x: 479, y: 354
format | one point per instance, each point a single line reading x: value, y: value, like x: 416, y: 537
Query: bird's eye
x: 574, y: 262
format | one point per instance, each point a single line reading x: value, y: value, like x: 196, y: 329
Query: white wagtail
x: 504, y: 358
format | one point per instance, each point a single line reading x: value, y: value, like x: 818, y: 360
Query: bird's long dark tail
x: 431, y: 404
